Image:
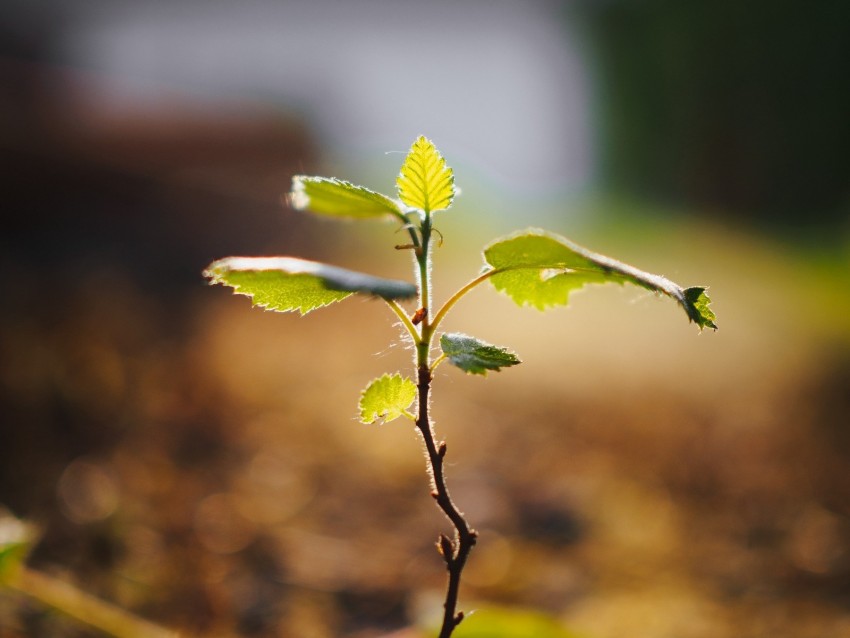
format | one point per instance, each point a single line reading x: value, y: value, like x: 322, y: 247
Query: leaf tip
x: 425, y: 182
x: 214, y: 271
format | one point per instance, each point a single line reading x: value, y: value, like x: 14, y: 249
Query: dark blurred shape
x: 119, y: 205
x: 381, y: 608
x: 149, y: 191
x: 741, y: 106
x: 547, y: 522
x: 108, y: 216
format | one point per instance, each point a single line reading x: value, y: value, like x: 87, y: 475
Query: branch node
x: 446, y: 548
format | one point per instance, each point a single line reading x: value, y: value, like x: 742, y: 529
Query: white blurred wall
x: 501, y: 87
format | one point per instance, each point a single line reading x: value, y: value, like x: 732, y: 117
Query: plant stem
x: 456, y: 552
x: 84, y: 607
x: 423, y: 258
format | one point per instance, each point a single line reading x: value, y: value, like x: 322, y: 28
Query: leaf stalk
x: 451, y: 301
x: 405, y: 320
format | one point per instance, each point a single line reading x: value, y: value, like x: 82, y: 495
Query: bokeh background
x: 199, y: 462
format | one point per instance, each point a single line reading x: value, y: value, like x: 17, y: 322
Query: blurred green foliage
x: 16, y: 538
x: 736, y: 105
x: 494, y: 622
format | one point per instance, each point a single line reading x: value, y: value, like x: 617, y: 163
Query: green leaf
x: 531, y: 287
x: 338, y: 198
x: 386, y: 398
x: 475, y: 356
x: 541, y: 269
x: 425, y: 182
x: 16, y: 538
x: 286, y: 284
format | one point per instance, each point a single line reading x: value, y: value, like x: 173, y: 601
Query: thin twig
x: 457, y: 551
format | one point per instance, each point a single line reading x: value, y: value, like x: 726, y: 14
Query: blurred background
x: 199, y: 462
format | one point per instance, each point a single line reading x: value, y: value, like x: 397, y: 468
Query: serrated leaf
x: 475, y: 356
x: 287, y: 284
x: 540, y: 269
x: 338, y: 198
x: 386, y: 398
x: 425, y: 182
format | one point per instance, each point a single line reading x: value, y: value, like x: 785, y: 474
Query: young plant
x: 533, y: 267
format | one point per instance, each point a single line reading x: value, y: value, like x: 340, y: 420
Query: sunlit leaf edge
x: 304, y: 285
x: 335, y: 197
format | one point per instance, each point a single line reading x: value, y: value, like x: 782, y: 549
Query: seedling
x: 533, y: 267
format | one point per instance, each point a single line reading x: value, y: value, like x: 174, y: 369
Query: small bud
x: 442, y: 449
x: 435, y: 494
x: 445, y: 547
x: 418, y: 316
x: 458, y: 618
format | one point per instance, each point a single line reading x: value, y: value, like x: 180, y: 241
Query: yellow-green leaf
x: 386, y: 398
x: 338, y: 198
x: 425, y: 182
